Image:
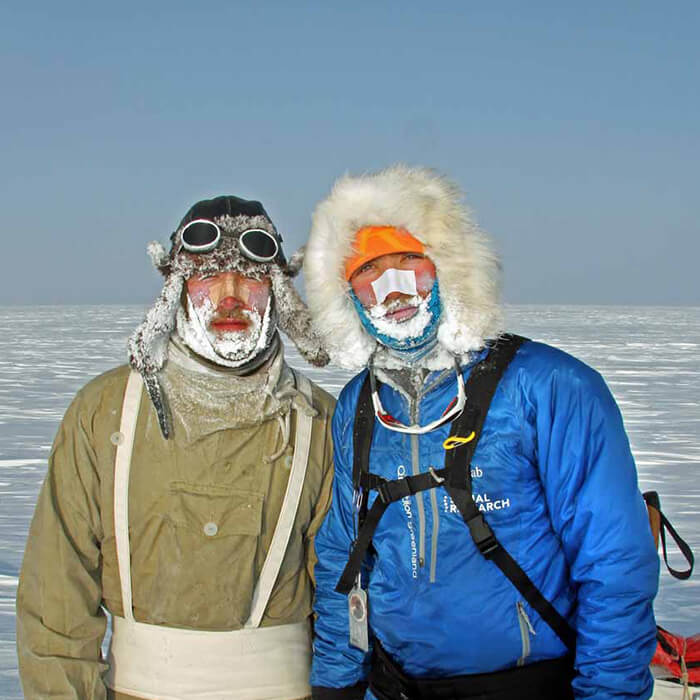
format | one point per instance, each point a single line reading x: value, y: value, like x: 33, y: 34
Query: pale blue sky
x: 573, y: 127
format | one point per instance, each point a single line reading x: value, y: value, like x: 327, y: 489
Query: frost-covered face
x: 231, y: 295
x: 402, y: 293
x: 231, y: 312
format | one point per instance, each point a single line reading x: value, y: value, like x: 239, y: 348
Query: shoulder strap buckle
x: 483, y: 536
x: 390, y: 491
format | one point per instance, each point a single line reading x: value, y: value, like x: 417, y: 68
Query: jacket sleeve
x: 324, y: 499
x: 60, y: 625
x: 338, y: 670
x: 591, y: 490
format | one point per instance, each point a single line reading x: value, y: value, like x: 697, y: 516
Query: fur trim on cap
x: 294, y: 319
x: 159, y: 256
x: 430, y: 208
x: 148, y: 344
x: 296, y: 262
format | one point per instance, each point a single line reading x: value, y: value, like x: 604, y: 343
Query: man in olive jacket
x: 183, y: 492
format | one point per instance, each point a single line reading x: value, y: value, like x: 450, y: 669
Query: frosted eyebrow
x: 392, y: 280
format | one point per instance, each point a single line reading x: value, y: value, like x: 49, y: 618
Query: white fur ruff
x: 430, y: 208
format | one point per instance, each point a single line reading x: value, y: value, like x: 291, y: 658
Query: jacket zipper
x: 526, y: 629
x: 434, y: 538
x: 415, y: 467
x: 433, y: 502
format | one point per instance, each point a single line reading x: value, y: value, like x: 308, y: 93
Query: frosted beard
x: 411, y: 328
x: 229, y: 349
x: 414, y: 337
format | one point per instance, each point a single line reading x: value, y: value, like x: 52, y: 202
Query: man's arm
x: 592, y: 495
x: 338, y: 670
x: 324, y: 500
x: 60, y: 625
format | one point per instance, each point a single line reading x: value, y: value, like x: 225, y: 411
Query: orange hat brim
x: 373, y: 241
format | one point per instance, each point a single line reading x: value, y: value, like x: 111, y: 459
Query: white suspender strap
x: 285, y: 523
x: 122, y: 465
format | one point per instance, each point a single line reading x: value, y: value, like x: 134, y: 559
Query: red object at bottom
x: 675, y: 656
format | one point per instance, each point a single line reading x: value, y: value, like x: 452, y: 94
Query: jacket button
x: 210, y: 529
x: 116, y: 438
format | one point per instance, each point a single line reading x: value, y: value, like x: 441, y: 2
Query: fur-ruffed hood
x: 431, y: 209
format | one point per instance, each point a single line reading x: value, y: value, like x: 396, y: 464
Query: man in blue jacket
x: 487, y: 537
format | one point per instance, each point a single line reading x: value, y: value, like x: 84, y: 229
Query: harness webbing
x: 455, y: 477
x: 361, y: 443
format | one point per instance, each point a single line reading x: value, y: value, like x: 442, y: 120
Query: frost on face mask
x: 402, y: 330
x: 231, y: 348
x: 412, y: 338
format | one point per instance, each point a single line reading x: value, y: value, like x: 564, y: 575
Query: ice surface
x: 650, y: 358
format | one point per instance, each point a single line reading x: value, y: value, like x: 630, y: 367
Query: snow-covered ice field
x: 650, y: 357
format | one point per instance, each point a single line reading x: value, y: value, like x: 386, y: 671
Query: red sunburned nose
x: 230, y: 303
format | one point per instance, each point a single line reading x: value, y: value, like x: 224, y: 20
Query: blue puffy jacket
x: 555, y: 477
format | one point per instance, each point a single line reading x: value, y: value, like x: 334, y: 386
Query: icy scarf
x: 413, y: 339
x: 234, y: 349
x: 205, y: 399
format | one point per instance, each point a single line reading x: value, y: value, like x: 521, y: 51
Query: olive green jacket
x: 182, y: 576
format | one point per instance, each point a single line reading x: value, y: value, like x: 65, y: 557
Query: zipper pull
x: 526, y: 619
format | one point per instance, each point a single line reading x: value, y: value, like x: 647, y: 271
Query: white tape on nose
x: 391, y: 280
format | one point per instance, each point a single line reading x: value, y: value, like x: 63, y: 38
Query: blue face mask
x: 414, y: 347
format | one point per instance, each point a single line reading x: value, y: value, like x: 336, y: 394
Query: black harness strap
x: 387, y: 492
x: 361, y: 443
x: 455, y: 477
x: 541, y: 680
x: 362, y: 432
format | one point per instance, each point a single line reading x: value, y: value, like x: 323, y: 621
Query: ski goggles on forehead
x: 454, y: 409
x: 203, y: 236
